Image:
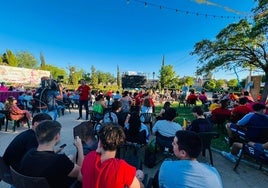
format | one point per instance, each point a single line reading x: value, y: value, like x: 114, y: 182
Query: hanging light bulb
x: 145, y: 4
x: 128, y: 1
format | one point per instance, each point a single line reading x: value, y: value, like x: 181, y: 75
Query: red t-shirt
x: 110, y: 173
x: 83, y: 91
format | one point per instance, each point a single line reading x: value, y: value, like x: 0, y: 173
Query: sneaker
x: 229, y: 156
x: 79, y: 118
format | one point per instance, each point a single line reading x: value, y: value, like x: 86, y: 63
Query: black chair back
x: 22, y: 181
x: 5, y: 173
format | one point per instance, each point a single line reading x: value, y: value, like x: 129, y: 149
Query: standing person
x: 187, y: 171
x: 100, y: 168
x: 84, y: 92
x: 42, y: 161
x: 23, y: 142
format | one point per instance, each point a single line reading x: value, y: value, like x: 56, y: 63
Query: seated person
x: 240, y: 111
x: 237, y: 146
x: 192, y: 98
x: 160, y: 116
x: 135, y: 130
x: 215, y: 104
x: 146, y: 106
x: 256, y: 119
x: 89, y: 141
x: 203, y: 97
x: 23, y: 142
x: 15, y: 112
x: 167, y: 127
x: 99, y: 104
x: 200, y: 124
x: 104, y: 167
x: 187, y: 171
x: 29, y: 100
x: 222, y: 114
x: 112, y: 116
x: 58, y: 169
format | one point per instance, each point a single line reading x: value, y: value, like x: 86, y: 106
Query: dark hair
x: 167, y: 105
x: 41, y: 117
x: 111, y: 136
x: 116, y: 105
x: 146, y: 102
x: 243, y: 100
x: 170, y: 114
x: 198, y: 110
x: 134, y: 124
x: 258, y: 107
x: 99, y: 97
x: 47, y: 130
x: 190, y: 142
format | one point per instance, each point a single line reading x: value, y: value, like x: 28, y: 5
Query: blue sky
x: 107, y: 33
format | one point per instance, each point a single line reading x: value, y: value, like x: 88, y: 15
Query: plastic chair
x: 22, y: 181
x: 261, y: 134
x: 5, y: 173
x: 206, y: 138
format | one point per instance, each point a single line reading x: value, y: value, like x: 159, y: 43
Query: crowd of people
x: 96, y: 165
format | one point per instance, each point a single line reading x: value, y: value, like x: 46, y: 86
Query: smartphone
x: 63, y: 145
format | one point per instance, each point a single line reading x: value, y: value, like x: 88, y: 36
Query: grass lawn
x: 185, y: 112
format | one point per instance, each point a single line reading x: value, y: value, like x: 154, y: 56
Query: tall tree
x: 26, y: 60
x: 241, y: 44
x: 94, y: 77
x: 11, y: 59
x: 43, y: 62
x: 233, y: 83
x: 167, y: 76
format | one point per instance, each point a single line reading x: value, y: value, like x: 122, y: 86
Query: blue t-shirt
x: 188, y: 173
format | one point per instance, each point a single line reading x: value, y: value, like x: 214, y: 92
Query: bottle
x: 184, y: 124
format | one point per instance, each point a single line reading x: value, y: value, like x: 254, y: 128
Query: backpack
x: 110, y: 117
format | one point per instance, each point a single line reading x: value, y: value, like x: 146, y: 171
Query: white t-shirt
x: 166, y: 128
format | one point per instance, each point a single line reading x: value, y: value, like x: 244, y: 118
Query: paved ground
x: 247, y: 176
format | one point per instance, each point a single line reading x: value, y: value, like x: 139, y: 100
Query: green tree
x: 43, y: 62
x: 56, y: 71
x: 233, y: 83
x: 11, y: 59
x: 241, y: 44
x: 210, y: 85
x: 167, y: 76
x: 26, y: 60
x: 220, y: 83
x: 94, y: 77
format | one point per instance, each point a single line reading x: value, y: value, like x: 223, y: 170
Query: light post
x: 153, y: 78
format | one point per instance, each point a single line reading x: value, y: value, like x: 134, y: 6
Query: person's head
x: 197, y: 110
x: 170, y: 114
x: 243, y: 100
x: 10, y: 101
x: 116, y: 106
x: 39, y: 118
x: 167, y: 105
x: 187, y: 145
x: 48, y: 131
x: 83, y: 82
x: 125, y: 93
x: 99, y: 97
x: 224, y: 103
x: 87, y: 131
x: 146, y: 102
x: 111, y: 137
x: 258, y: 107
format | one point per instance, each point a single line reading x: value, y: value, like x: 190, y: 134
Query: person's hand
x: 77, y: 142
x: 140, y: 175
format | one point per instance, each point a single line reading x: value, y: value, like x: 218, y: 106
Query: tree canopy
x: 241, y: 44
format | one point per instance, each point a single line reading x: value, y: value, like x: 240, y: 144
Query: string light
x: 161, y: 7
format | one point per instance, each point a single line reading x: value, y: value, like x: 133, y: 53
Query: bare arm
x: 136, y: 183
